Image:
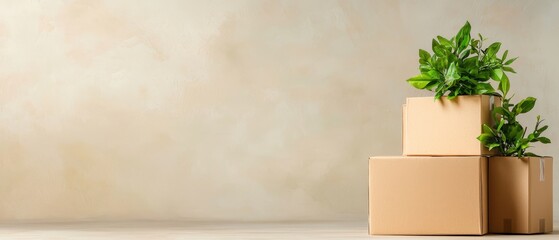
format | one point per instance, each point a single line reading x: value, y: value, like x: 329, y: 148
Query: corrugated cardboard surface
x: 520, y: 195
x: 446, y: 127
x: 427, y: 195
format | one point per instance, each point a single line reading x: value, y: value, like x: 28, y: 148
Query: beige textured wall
x: 227, y: 110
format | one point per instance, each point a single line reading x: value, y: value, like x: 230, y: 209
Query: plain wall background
x: 228, y: 110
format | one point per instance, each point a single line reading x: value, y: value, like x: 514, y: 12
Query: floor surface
x: 188, y: 230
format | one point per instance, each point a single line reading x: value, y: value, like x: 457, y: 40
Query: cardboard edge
x: 482, y: 117
x: 484, y: 195
x: 549, y: 163
x: 369, y: 229
x: 551, y: 176
x: 529, y: 190
x: 404, y: 123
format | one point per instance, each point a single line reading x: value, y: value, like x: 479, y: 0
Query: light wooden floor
x: 188, y: 230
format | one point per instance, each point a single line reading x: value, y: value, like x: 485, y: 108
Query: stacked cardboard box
x: 445, y: 127
x: 440, y: 184
x: 428, y: 195
x: 520, y: 195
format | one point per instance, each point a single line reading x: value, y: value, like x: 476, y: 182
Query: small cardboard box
x: 427, y: 195
x: 446, y: 127
x: 520, y: 195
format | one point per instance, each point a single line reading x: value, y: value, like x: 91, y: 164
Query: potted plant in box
x: 520, y: 182
x: 462, y: 66
x: 459, y: 71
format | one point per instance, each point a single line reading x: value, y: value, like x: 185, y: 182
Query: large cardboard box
x: 428, y: 195
x: 446, y: 127
x: 520, y: 195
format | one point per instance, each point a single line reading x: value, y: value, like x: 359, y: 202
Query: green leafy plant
x: 461, y: 66
x: 507, y: 134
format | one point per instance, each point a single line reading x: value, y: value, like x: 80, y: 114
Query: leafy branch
x: 507, y: 134
x: 461, y: 66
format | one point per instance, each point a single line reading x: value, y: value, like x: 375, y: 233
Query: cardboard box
x: 428, y: 195
x: 446, y: 127
x: 520, y: 195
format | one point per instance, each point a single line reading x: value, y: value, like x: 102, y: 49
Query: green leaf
x: 510, y: 61
x: 464, y: 54
x: 434, y: 44
x: 501, y: 123
x: 525, y: 105
x: 510, y: 151
x: 424, y: 54
x: 484, y: 137
x: 434, y: 74
x: 474, y: 43
x: 440, y: 51
x: 497, y: 74
x: 483, y: 75
x: 441, y: 88
x: 508, y: 69
x: 513, y: 131
x: 471, y: 64
x: 532, y: 137
x: 420, y: 81
x: 529, y: 154
x: 484, y: 88
x: 492, y: 49
x: 493, y: 145
x: 452, y: 73
x: 438, y: 95
x: 505, y: 55
x: 445, y: 42
x: 431, y: 85
x: 487, y: 129
x: 452, y: 95
x: 540, y: 130
x: 504, y: 85
x: 544, y: 140
x: 463, y: 37
x: 502, y: 111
